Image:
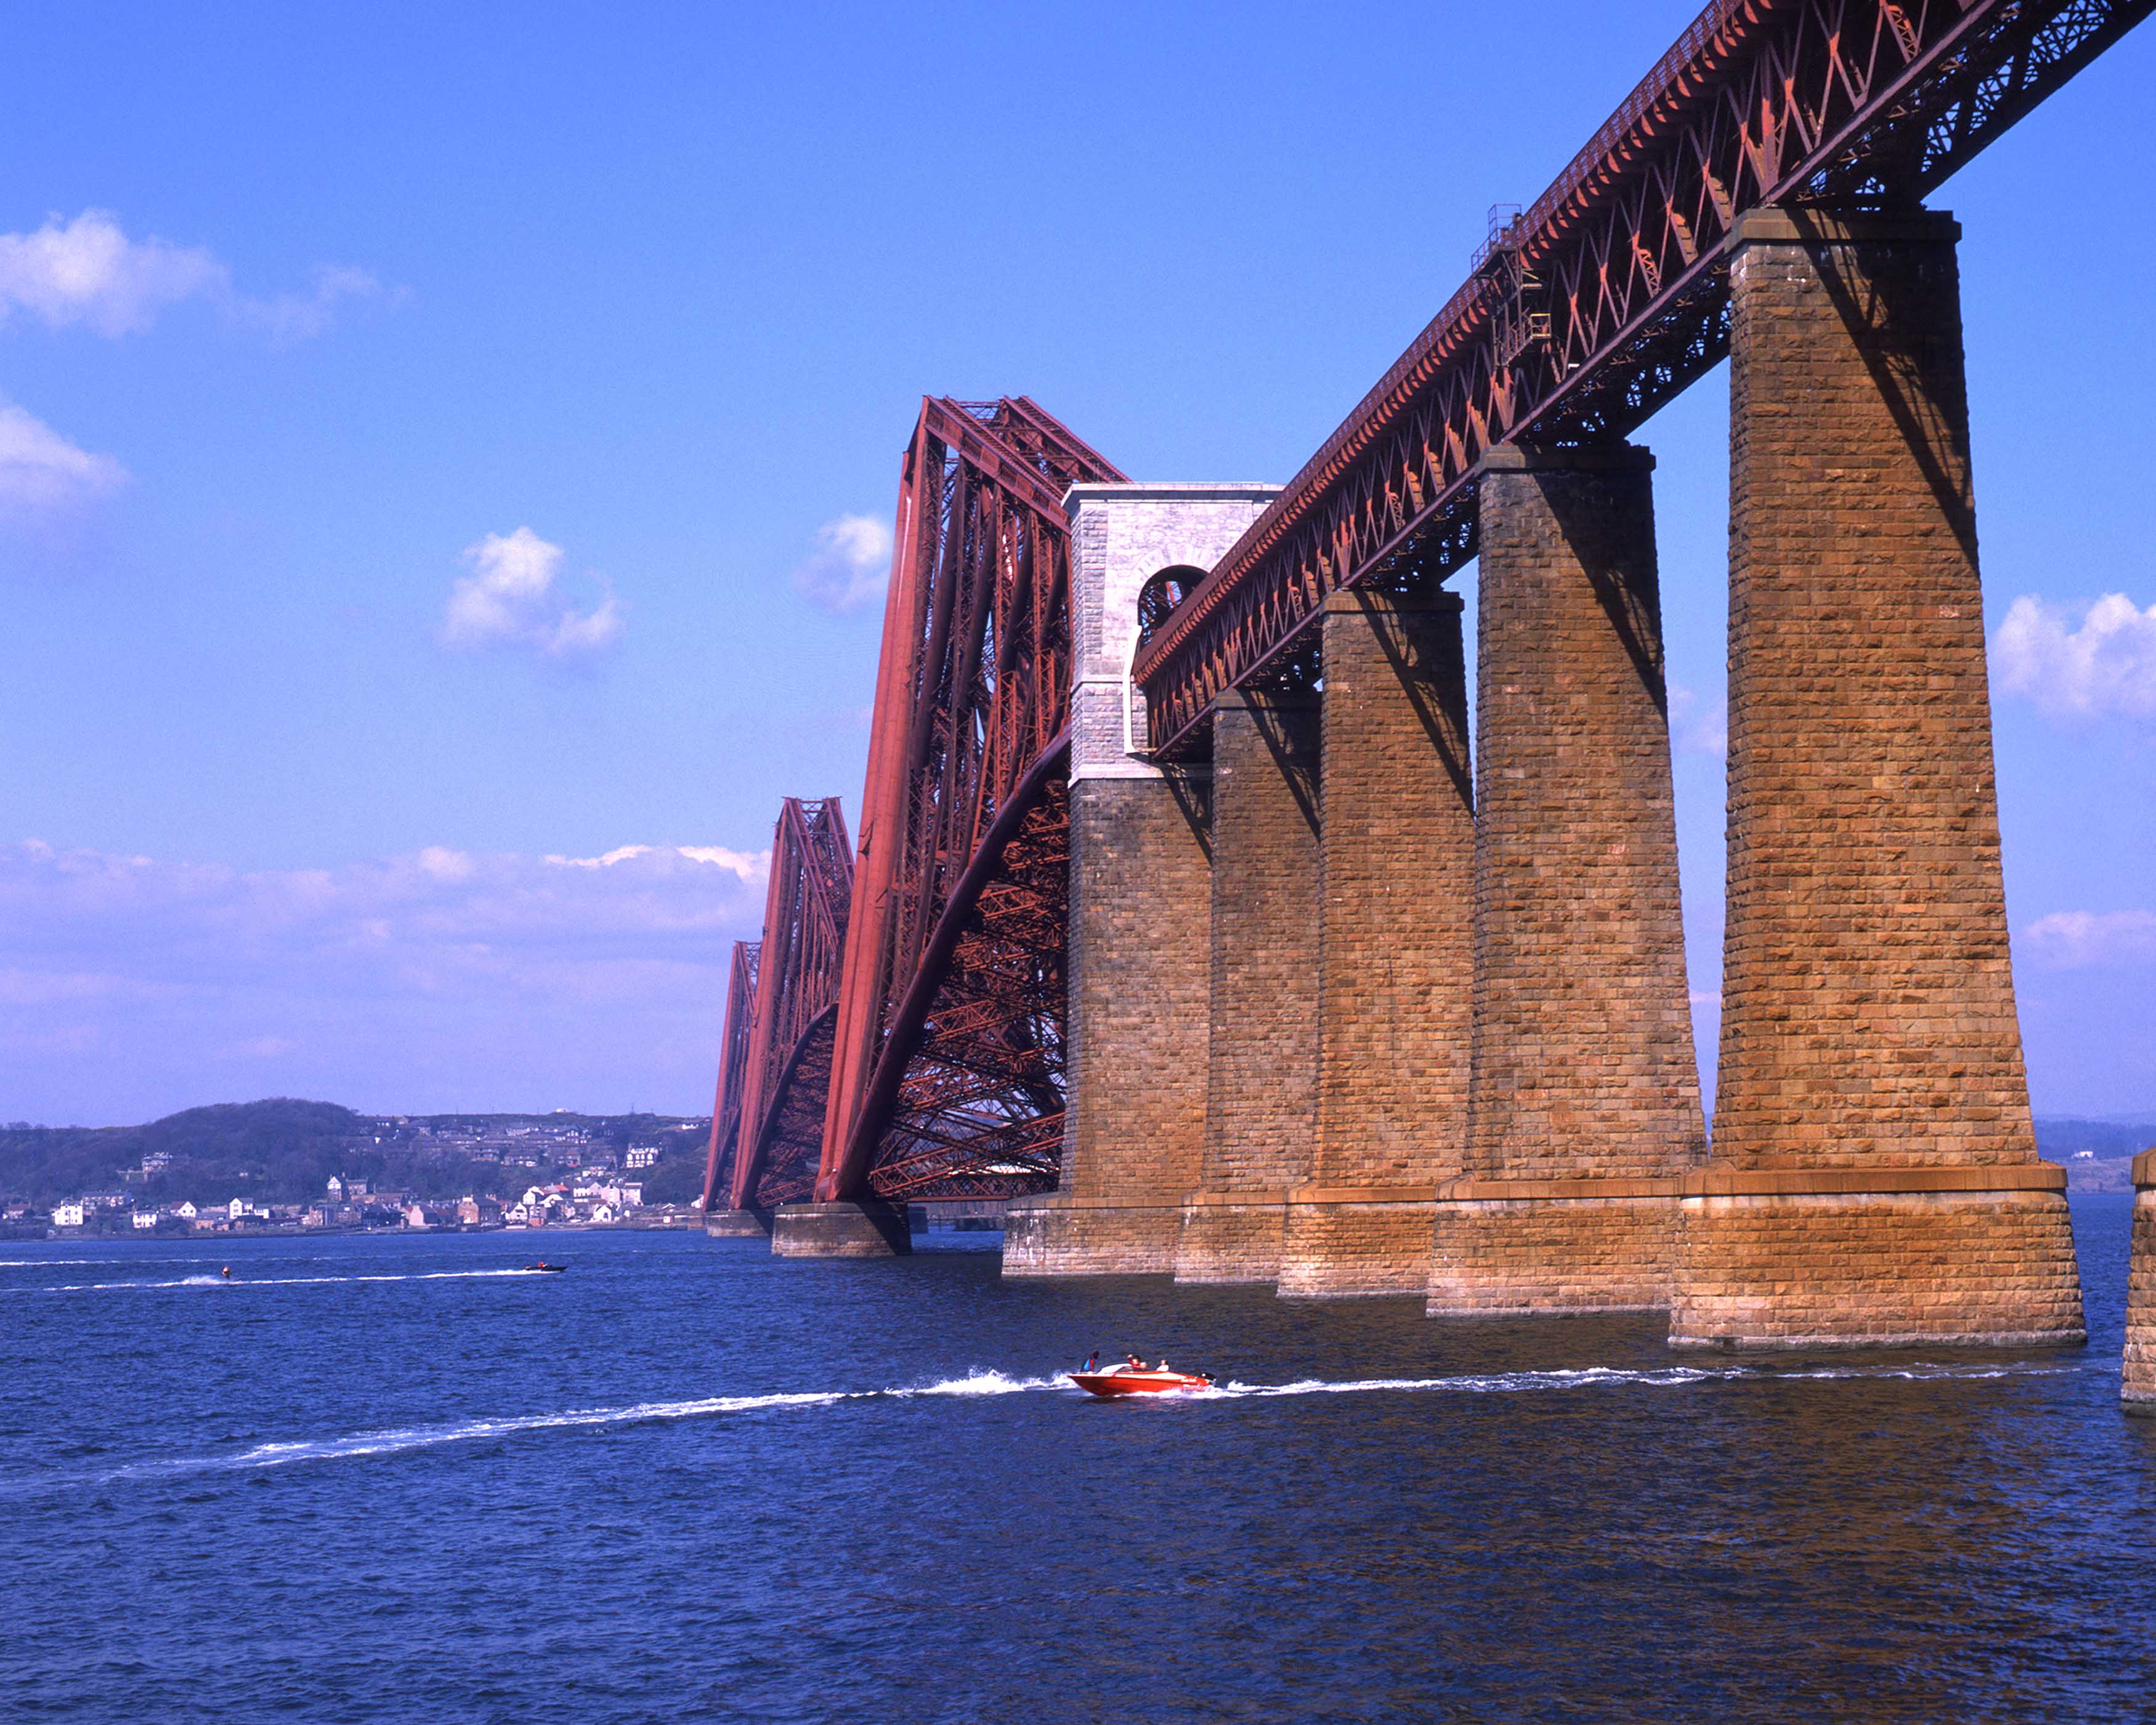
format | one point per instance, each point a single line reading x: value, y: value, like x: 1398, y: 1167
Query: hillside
x: 284, y: 1150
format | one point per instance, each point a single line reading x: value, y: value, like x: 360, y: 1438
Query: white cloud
x: 2107, y: 665
x: 42, y: 473
x: 1698, y: 725
x: 454, y: 974
x: 2077, y: 939
x: 746, y: 865
x: 299, y: 317
x: 849, y: 567
x: 510, y: 598
x: 743, y: 865
x: 89, y: 272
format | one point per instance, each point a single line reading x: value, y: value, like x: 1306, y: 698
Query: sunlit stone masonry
x: 2138, y: 1387
x: 1141, y: 906
x: 1875, y: 1176
x: 1584, y: 1102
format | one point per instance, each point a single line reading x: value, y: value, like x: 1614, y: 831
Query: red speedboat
x: 1145, y: 1380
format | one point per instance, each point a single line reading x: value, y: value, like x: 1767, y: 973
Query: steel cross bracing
x: 947, y: 1068
x: 766, y: 1128
x: 1610, y: 294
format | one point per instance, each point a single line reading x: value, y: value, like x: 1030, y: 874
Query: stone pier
x: 1396, y: 873
x: 738, y: 1223
x: 1875, y: 1176
x: 1141, y: 905
x: 1261, y: 1103
x: 1583, y: 1104
x: 2137, y: 1389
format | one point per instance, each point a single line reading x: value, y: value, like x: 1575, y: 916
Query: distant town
x: 257, y: 1167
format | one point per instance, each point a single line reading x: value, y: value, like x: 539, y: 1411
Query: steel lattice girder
x: 733, y: 1069
x: 948, y: 1029
x: 1610, y: 294
x: 760, y: 1153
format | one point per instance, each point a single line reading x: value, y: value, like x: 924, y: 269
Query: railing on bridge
x: 1610, y: 296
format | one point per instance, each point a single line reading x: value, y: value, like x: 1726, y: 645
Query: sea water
x: 402, y: 1477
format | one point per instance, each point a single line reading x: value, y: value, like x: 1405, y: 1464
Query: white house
x: 68, y: 1215
x: 145, y: 1219
x: 337, y: 1189
x: 186, y: 1210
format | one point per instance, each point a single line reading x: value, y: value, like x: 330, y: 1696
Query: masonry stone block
x: 1396, y: 933
x: 1140, y: 964
x: 1868, y: 1021
x: 2138, y: 1387
x: 1261, y: 1102
x: 1583, y: 1070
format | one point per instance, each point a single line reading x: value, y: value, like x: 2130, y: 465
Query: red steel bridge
x: 898, y: 1032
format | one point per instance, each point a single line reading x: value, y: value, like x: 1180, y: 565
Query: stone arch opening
x: 1161, y: 593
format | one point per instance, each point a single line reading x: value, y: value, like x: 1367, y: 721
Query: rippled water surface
x: 398, y: 1479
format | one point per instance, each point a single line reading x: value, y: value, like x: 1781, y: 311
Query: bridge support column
x: 2138, y: 1390
x: 1397, y: 850
x: 870, y: 1229
x: 1261, y: 1103
x: 1875, y: 1178
x: 1134, y: 1133
x: 1583, y: 1100
x: 738, y: 1224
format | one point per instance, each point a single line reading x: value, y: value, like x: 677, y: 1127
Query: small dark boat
x: 550, y: 1269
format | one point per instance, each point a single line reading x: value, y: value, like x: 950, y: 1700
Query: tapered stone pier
x: 2138, y: 1388
x: 1261, y: 1101
x: 1396, y: 874
x: 1875, y: 1176
x: 1584, y: 1104
x: 1140, y: 952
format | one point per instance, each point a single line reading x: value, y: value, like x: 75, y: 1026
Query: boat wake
x: 1670, y: 1377
x: 397, y: 1439
x: 274, y: 1281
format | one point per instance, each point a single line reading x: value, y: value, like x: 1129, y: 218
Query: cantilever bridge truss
x: 1610, y: 296
x: 899, y: 1029
x: 911, y: 1045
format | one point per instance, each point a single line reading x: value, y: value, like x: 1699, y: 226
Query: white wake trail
x: 242, y: 1281
x: 396, y: 1440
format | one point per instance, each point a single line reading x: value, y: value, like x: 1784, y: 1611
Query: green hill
x: 284, y: 1150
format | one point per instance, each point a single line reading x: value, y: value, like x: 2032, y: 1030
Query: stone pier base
x: 1519, y: 1248
x: 1062, y: 1236
x: 738, y: 1224
x: 2138, y: 1390
x: 1340, y: 1242
x: 1231, y: 1237
x: 1979, y: 1256
x: 870, y: 1229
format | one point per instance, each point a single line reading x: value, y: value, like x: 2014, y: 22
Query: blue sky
x: 437, y: 441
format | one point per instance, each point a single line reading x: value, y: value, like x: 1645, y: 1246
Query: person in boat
x: 1136, y: 1363
x: 226, y: 1272
x: 1093, y: 1361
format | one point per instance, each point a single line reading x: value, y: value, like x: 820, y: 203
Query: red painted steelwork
x: 1610, y: 295
x: 733, y: 1068
x: 947, y: 1065
x: 770, y: 1094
